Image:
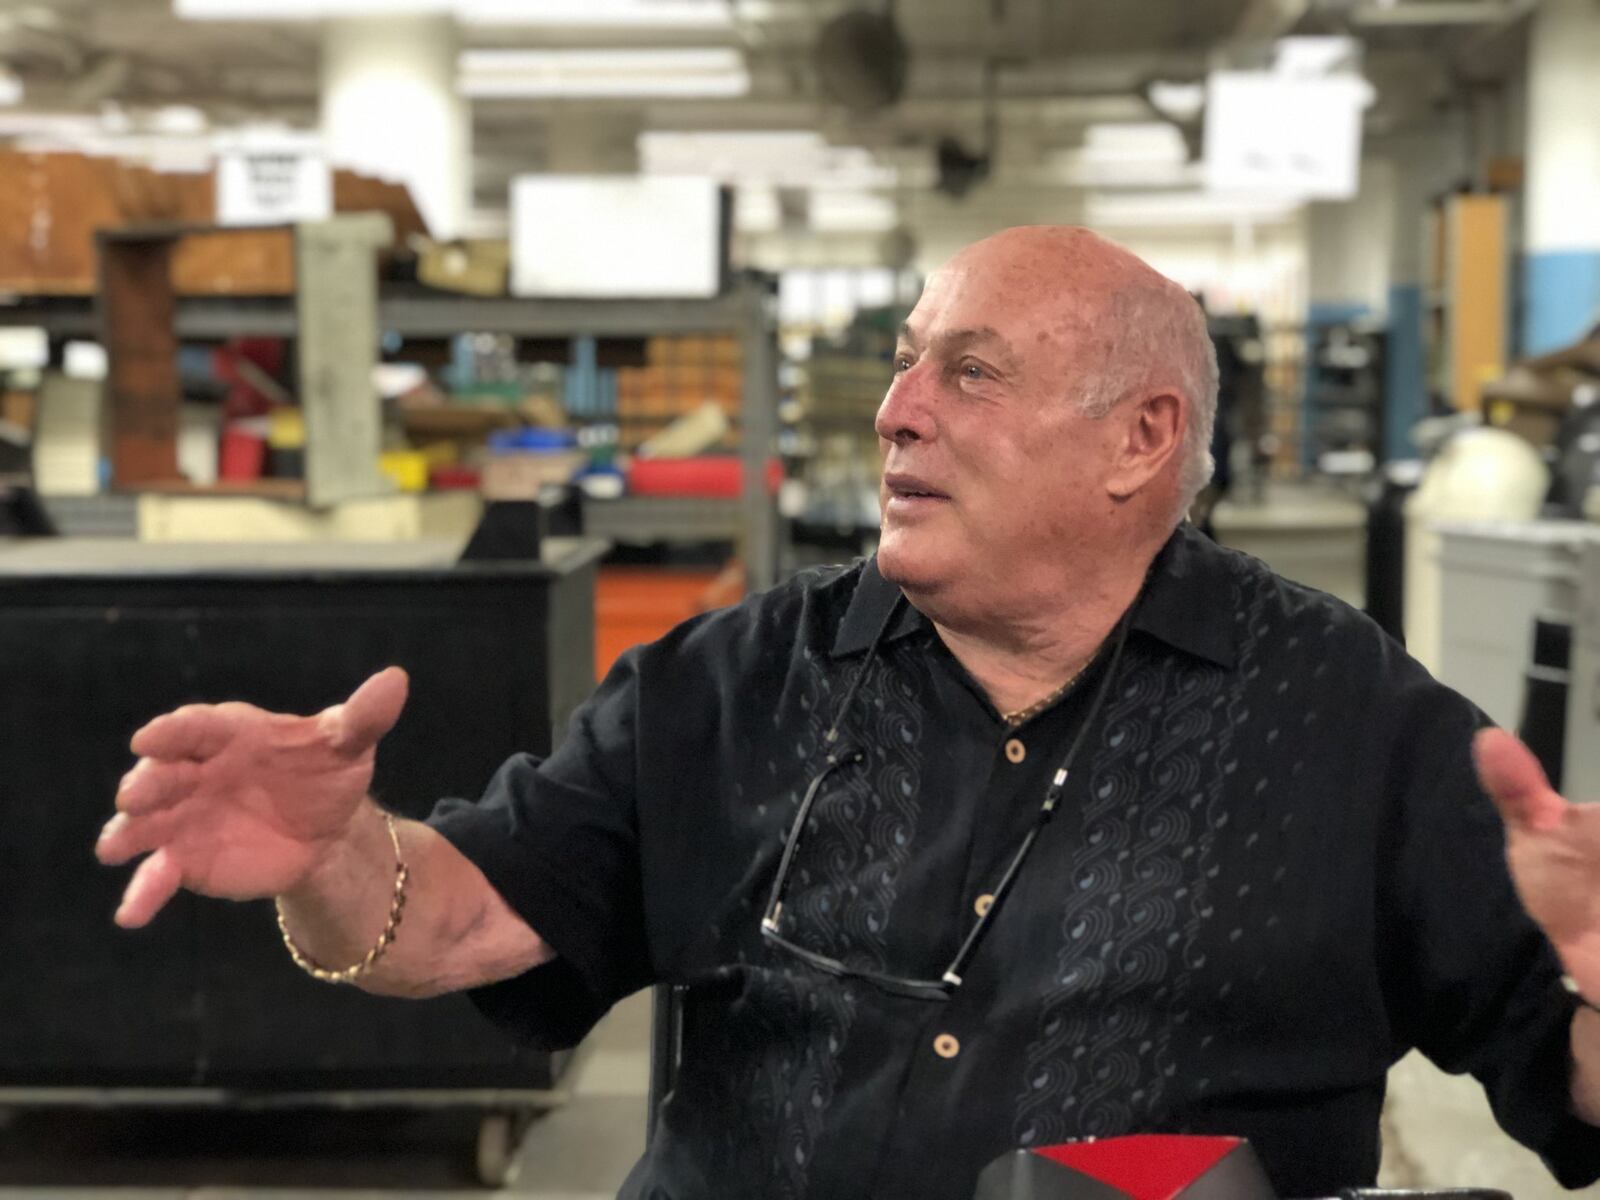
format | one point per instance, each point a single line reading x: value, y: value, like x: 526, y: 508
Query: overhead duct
x: 862, y: 61
x: 958, y: 170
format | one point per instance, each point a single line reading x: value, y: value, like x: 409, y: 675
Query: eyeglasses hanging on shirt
x: 840, y: 757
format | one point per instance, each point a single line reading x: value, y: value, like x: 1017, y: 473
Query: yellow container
x: 286, y: 429
x: 407, y: 468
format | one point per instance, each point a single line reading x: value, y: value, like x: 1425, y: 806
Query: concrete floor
x: 1438, y: 1130
x: 582, y: 1151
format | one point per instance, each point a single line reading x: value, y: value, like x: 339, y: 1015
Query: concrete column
x: 1348, y: 248
x: 1423, y: 166
x: 1561, y: 237
x: 390, y: 108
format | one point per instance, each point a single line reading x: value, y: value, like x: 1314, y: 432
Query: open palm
x: 1553, y: 848
x: 231, y: 801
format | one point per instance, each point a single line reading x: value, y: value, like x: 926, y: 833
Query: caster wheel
x: 499, y: 1147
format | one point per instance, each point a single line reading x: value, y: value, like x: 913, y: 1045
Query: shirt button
x: 1015, y: 750
x: 946, y: 1046
x: 983, y: 904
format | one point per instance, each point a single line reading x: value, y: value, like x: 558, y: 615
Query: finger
x: 193, y: 731
x: 1516, y: 782
x: 356, y: 725
x: 155, y: 882
x: 153, y: 785
x: 126, y: 837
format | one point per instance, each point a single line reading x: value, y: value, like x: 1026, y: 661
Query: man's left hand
x: 1553, y: 848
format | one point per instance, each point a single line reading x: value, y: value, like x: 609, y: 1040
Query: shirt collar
x: 869, y: 608
x: 1188, y: 602
x: 1189, y: 599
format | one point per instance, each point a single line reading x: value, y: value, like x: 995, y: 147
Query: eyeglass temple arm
x: 836, y: 759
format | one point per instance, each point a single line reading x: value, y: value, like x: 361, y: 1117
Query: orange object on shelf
x: 634, y: 605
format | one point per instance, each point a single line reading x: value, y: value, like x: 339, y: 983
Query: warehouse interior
x: 495, y: 337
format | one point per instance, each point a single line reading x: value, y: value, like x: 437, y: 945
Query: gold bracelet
x: 402, y: 874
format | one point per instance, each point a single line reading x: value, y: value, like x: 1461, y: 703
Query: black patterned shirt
x: 1272, y: 874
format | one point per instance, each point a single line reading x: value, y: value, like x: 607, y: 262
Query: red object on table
x: 1145, y: 1166
x: 241, y: 456
x: 454, y: 479
x: 719, y: 476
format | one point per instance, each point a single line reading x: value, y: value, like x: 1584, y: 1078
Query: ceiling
x: 1048, y: 71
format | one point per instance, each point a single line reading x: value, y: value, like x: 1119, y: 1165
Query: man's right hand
x: 235, y: 802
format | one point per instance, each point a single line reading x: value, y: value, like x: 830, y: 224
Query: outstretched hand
x: 1553, y: 848
x: 231, y: 801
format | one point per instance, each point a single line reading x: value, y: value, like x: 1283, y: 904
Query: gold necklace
x: 1023, y: 715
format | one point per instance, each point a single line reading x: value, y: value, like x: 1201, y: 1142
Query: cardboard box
x: 19, y: 408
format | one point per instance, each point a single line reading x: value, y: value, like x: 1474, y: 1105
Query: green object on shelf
x: 508, y: 394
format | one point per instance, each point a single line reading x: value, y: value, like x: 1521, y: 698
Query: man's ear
x: 1151, y: 434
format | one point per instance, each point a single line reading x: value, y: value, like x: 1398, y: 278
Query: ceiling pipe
x: 1424, y: 15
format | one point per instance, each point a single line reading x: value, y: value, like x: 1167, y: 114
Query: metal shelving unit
x: 745, y: 309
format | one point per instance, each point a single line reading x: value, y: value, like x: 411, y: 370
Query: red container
x: 242, y: 456
x: 454, y: 479
x: 719, y: 476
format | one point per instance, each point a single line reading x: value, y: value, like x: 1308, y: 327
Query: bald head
x: 1127, y: 328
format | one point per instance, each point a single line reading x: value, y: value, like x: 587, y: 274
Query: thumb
x: 372, y: 710
x: 1516, y: 782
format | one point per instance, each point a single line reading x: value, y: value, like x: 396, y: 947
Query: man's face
x: 991, y: 473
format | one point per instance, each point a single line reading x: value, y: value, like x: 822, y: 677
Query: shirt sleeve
x: 559, y: 840
x: 1471, y: 980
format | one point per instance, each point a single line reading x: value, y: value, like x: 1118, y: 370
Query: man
x: 1054, y: 820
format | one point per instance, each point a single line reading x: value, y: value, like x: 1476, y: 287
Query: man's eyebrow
x: 958, y: 339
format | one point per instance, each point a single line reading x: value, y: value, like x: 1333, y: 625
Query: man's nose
x: 906, y: 414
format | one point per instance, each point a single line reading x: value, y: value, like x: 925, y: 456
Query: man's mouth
x: 911, y: 487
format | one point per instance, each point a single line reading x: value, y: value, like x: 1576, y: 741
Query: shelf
x: 640, y: 520
x: 414, y: 313
x: 411, y: 311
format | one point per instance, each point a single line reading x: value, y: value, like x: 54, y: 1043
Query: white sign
x: 606, y: 236
x: 273, y: 185
x: 1296, y: 137
x: 1292, y: 131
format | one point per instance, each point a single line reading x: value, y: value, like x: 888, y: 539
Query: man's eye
x: 902, y: 364
x: 972, y: 370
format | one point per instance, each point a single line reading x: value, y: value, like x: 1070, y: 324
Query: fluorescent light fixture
x: 584, y: 14
x: 852, y: 212
x: 179, y: 119
x: 10, y: 88
x: 572, y: 74
x: 1184, y: 208
x: 1123, y: 155
x: 599, y: 14
x: 777, y: 158
x: 304, y: 10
